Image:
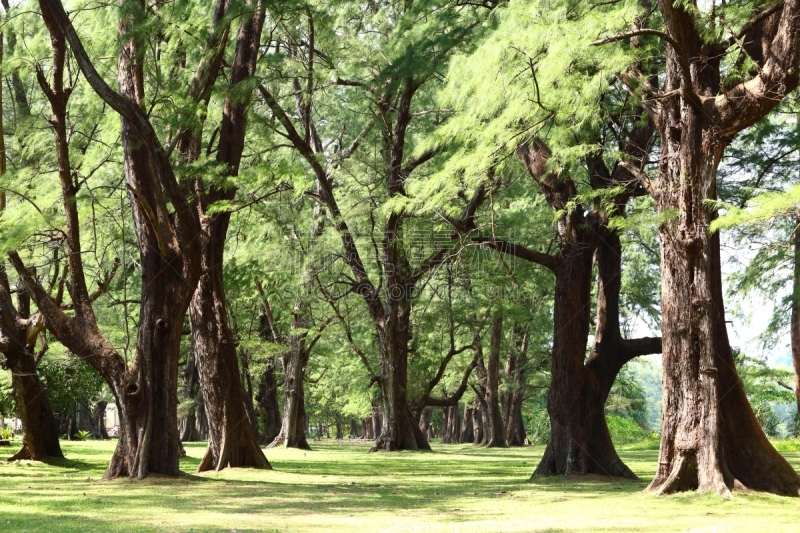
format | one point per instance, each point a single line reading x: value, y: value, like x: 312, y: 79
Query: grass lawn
x: 339, y: 487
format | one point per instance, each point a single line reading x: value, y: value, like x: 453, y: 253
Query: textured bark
x: 399, y: 427
x: 710, y: 438
x: 145, y: 392
x: 17, y: 340
x: 579, y: 442
x: 232, y: 441
x: 495, y: 429
x: 293, y: 426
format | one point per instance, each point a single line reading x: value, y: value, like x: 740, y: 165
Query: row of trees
x: 423, y: 203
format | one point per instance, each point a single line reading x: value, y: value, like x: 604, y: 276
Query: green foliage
x: 69, y: 381
x: 766, y: 388
x: 627, y: 431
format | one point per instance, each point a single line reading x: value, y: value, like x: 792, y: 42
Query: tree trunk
x: 98, y: 421
x: 467, y: 433
x: 451, y: 425
x: 40, y: 440
x: 353, y: 429
x: 496, y: 434
x: 795, y: 326
x: 399, y: 428
x: 711, y: 440
x: 267, y: 399
x: 191, y: 390
x: 232, y: 441
x: 339, y: 431
x: 477, y: 425
x: 293, y: 427
x: 515, y: 390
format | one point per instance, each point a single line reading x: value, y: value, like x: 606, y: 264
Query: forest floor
x: 340, y: 487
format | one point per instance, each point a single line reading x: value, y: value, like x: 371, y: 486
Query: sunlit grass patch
x: 340, y: 487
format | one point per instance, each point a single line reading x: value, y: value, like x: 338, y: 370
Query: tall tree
x: 231, y: 441
x: 711, y: 440
x: 145, y: 392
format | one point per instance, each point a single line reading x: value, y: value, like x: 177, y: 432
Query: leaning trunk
x: 231, y: 441
x: 40, y: 440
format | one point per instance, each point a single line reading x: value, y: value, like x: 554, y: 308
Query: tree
x: 18, y: 335
x: 707, y: 444
x: 231, y: 442
x: 144, y: 391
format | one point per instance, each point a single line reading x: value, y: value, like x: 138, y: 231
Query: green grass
x: 339, y: 487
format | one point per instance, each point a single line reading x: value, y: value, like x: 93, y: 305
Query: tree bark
x: 145, y: 392
x: 399, y: 427
x: 232, y: 441
x: 710, y: 439
x: 516, y: 366
x: 267, y: 398
x: 495, y: 429
x: 451, y: 425
x: 477, y: 425
x: 293, y: 426
x: 189, y: 431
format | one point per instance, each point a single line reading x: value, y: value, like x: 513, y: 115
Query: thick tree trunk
x: 231, y: 441
x: 40, y: 440
x: 353, y: 434
x: 425, y: 423
x: 399, y: 428
x: 566, y: 451
x: 711, y: 440
x: 267, y: 398
x: 293, y: 427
